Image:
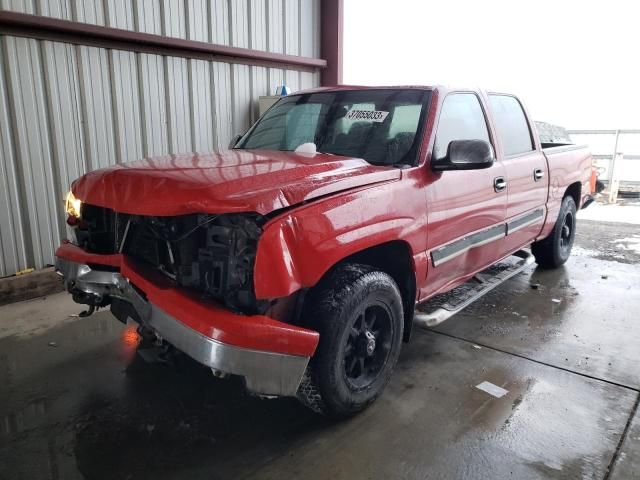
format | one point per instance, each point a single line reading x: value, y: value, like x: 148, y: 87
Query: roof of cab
x: 368, y: 87
x: 441, y: 89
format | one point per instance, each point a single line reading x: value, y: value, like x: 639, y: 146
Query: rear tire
x: 555, y: 250
x: 358, y: 312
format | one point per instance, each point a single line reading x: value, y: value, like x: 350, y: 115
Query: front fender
x: 296, y: 249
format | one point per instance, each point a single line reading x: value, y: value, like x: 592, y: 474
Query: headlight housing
x: 73, y: 205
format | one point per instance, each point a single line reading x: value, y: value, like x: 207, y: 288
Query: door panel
x: 526, y: 168
x: 526, y: 196
x: 466, y: 213
x: 466, y: 228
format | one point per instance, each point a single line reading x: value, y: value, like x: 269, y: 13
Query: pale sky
x: 574, y: 63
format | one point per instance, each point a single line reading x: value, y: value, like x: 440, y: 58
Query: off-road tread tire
x: 547, y: 251
x: 323, y: 307
x: 309, y: 395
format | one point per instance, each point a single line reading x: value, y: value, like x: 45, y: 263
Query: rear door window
x: 461, y: 118
x: 511, y: 124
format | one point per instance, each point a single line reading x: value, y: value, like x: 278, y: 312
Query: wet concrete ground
x: 76, y: 401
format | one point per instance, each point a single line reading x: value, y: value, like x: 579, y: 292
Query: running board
x: 442, y: 307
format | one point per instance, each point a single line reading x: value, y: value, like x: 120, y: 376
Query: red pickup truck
x: 297, y: 258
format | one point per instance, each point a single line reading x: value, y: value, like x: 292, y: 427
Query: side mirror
x: 234, y: 141
x: 465, y: 155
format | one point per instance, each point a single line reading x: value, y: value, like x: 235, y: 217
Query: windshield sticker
x: 371, y: 115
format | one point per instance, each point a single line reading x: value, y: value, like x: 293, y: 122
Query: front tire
x: 555, y: 250
x: 358, y: 312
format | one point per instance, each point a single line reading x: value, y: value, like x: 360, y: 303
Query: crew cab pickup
x: 296, y: 259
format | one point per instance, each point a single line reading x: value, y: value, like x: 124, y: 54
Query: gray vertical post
x: 612, y: 171
x: 614, y: 182
x: 612, y: 168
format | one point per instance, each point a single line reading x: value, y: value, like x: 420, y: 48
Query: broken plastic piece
x: 492, y: 389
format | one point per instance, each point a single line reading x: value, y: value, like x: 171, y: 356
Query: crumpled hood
x: 233, y: 181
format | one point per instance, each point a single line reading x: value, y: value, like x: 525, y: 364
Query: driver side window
x: 461, y: 118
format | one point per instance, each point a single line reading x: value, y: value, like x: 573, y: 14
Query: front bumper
x: 271, y: 355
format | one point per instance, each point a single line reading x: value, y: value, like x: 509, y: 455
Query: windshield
x: 380, y: 126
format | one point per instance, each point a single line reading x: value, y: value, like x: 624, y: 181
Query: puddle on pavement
x: 483, y: 412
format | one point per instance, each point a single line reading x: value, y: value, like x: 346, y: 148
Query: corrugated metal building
x: 180, y: 75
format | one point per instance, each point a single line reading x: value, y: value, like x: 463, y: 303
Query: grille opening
x: 213, y: 254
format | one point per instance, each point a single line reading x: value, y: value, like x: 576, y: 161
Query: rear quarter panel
x: 567, y: 165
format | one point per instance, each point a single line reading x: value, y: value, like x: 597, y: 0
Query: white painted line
x: 492, y: 389
x: 556, y: 300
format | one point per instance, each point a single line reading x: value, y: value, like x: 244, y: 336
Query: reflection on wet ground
x: 77, y: 401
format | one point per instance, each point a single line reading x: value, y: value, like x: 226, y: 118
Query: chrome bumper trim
x: 265, y: 373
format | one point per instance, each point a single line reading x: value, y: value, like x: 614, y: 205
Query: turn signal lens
x: 73, y: 205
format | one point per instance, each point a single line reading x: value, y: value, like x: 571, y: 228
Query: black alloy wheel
x: 359, y: 314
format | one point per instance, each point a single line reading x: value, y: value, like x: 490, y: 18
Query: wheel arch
x: 574, y: 190
x: 395, y: 259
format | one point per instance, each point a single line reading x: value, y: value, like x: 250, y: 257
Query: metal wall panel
x: 149, y: 16
x: 13, y: 255
x: 119, y: 14
x: 179, y: 118
x: 292, y: 27
x: 307, y: 31
x: 95, y: 91
x: 24, y: 6
x: 275, y: 20
x: 88, y: 12
x: 198, y: 20
x: 65, y: 118
x: 125, y: 96
x: 54, y: 8
x: 32, y: 147
x: 259, y: 87
x: 153, y: 104
x: 202, y: 122
x: 289, y: 26
x: 174, y: 19
x: 67, y: 109
x: 241, y: 99
x: 239, y: 28
x: 258, y: 26
x: 221, y: 75
x: 220, y: 22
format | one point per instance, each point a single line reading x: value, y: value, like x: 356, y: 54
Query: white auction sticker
x: 371, y: 115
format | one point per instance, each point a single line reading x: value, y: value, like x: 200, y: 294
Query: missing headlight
x: 222, y: 266
x: 214, y: 254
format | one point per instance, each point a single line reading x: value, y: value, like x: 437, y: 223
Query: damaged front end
x: 189, y: 281
x: 212, y: 254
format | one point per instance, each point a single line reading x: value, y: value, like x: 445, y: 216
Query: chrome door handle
x: 499, y: 184
x: 537, y: 174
